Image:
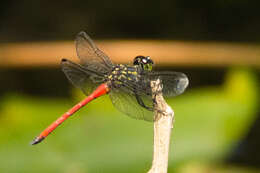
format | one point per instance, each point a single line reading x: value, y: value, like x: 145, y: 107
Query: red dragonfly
x: 128, y: 86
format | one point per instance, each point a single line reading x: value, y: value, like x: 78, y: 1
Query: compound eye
x: 144, y: 61
x: 136, y: 61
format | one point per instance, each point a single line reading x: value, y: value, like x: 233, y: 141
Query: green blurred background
x: 217, y: 119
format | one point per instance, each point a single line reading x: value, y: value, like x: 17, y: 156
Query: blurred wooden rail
x: 164, y: 53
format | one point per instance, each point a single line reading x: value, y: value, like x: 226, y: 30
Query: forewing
x: 90, y: 56
x: 174, y: 83
x: 80, y: 77
x: 125, y: 101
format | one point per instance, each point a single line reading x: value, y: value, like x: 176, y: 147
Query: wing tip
x: 83, y: 34
x: 64, y: 60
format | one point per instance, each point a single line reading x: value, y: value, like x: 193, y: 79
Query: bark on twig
x: 163, y: 125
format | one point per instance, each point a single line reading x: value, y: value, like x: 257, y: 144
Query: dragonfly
x: 128, y: 86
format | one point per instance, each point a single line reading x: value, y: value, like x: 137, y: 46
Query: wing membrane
x: 174, y: 83
x: 125, y: 101
x: 90, y: 56
x: 80, y: 77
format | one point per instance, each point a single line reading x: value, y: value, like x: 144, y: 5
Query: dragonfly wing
x: 80, y: 77
x: 174, y: 83
x: 126, y: 101
x: 89, y: 54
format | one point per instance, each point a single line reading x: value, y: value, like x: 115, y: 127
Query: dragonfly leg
x: 161, y: 112
x: 156, y: 109
x: 140, y: 102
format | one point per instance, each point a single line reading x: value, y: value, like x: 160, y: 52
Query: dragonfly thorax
x: 122, y: 73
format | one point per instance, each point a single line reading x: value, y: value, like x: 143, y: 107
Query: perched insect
x: 128, y: 86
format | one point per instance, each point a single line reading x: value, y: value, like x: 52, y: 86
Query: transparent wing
x: 90, y: 56
x: 174, y: 83
x: 125, y: 101
x: 81, y: 77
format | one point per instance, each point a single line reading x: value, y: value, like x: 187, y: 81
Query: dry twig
x: 163, y: 125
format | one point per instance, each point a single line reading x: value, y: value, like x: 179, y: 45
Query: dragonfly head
x: 146, y: 63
